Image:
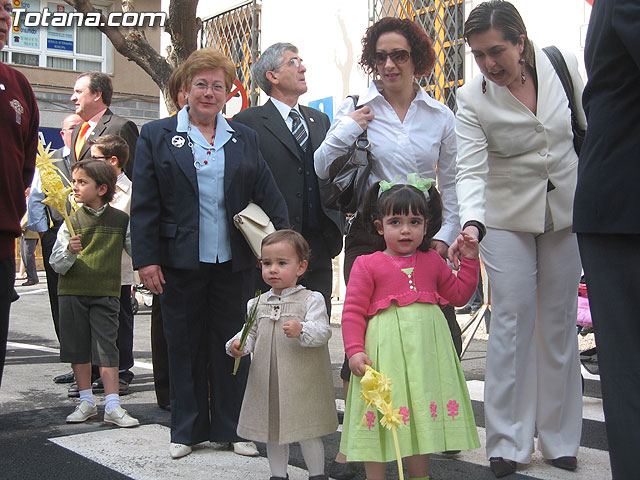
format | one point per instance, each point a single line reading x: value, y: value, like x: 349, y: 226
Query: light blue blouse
x: 214, y: 238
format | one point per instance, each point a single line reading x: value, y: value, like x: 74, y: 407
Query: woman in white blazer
x: 515, y: 181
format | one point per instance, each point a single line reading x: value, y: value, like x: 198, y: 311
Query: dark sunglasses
x: 397, y: 56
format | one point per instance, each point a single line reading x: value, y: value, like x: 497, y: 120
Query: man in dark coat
x: 289, y: 135
x: 607, y: 218
x: 92, y: 94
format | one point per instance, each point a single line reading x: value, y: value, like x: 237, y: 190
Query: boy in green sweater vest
x: 89, y: 289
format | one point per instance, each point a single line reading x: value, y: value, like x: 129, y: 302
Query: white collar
x: 285, y: 293
x: 284, y: 109
x: 375, y: 90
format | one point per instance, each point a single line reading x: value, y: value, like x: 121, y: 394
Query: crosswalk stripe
x: 591, y: 406
x: 593, y: 464
x: 28, y: 346
x: 142, y: 453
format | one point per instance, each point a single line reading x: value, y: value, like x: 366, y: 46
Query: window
x: 66, y: 48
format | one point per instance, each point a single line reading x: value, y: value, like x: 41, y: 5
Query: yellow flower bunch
x: 53, y: 188
x: 376, y: 392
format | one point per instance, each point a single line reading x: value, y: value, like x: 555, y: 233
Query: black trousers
x: 202, y: 310
x: 47, y: 240
x: 125, y: 334
x: 7, y: 280
x: 611, y: 264
x: 159, y: 355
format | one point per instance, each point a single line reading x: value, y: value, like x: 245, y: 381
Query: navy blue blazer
x: 165, y: 208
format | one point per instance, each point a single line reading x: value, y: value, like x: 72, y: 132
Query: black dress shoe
x: 73, y: 390
x: 30, y: 283
x: 502, y: 467
x: 14, y: 296
x: 466, y: 310
x: 342, y: 471
x: 64, y: 378
x: 166, y: 407
x: 97, y: 386
x: 566, y: 463
x: 123, y: 387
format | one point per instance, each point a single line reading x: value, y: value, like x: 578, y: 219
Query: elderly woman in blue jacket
x: 194, y: 171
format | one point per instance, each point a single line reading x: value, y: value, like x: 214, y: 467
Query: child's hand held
x: 467, y: 245
x: 75, y: 245
x: 235, y: 351
x: 292, y: 328
x: 358, y: 363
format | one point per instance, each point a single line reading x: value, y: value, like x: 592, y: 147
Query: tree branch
x: 181, y: 24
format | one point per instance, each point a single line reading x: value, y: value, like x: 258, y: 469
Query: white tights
x: 312, y: 451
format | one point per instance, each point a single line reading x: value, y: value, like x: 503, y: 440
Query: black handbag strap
x: 362, y: 141
x: 560, y: 66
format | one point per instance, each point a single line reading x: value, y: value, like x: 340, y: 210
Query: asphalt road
x: 36, y: 443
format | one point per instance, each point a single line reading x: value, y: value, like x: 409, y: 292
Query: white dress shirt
x: 424, y: 143
x: 285, y: 109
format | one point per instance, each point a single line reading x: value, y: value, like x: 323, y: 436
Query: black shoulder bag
x: 560, y: 66
x: 348, y: 175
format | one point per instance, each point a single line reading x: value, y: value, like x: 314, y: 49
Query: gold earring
x: 484, y: 85
x: 523, y: 78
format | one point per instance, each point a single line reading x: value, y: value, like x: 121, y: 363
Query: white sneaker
x: 120, y: 417
x: 178, y: 450
x: 248, y: 449
x: 83, y: 412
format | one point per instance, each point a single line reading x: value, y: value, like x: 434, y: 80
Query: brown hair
x: 504, y: 17
x: 422, y: 52
x: 101, y: 172
x: 113, y: 146
x: 99, y: 82
x: 208, y: 59
x: 176, y: 82
x: 400, y: 200
x: 294, y: 239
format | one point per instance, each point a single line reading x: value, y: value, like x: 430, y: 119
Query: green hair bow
x: 413, y: 179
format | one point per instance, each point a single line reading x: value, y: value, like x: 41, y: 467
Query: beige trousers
x: 533, y: 373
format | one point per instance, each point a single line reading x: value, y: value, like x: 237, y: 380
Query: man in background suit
x: 92, y: 94
x: 46, y: 221
x: 607, y: 218
x: 289, y: 134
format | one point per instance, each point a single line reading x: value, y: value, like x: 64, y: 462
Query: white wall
x: 316, y: 28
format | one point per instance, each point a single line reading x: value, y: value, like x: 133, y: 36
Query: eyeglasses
x: 295, y: 62
x: 397, y: 56
x: 96, y: 157
x: 204, y: 87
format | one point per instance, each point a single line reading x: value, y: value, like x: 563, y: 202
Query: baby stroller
x: 589, y: 357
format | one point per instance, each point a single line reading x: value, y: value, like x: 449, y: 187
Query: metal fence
x: 443, y: 21
x: 236, y: 33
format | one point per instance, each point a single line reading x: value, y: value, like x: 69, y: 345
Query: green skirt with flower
x: 412, y: 345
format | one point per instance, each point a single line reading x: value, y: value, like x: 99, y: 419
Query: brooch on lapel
x: 233, y: 139
x: 177, y: 141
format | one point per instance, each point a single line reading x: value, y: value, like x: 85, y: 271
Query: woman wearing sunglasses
x: 408, y: 132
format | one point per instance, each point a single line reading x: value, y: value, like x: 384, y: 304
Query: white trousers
x: 533, y: 373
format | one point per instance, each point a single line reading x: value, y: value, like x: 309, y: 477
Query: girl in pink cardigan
x: 392, y: 321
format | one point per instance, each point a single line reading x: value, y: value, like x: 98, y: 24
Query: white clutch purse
x: 254, y: 225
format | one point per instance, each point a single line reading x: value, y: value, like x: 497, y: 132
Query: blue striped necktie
x: 298, y: 130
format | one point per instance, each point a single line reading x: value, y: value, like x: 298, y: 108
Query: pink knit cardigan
x: 376, y: 280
